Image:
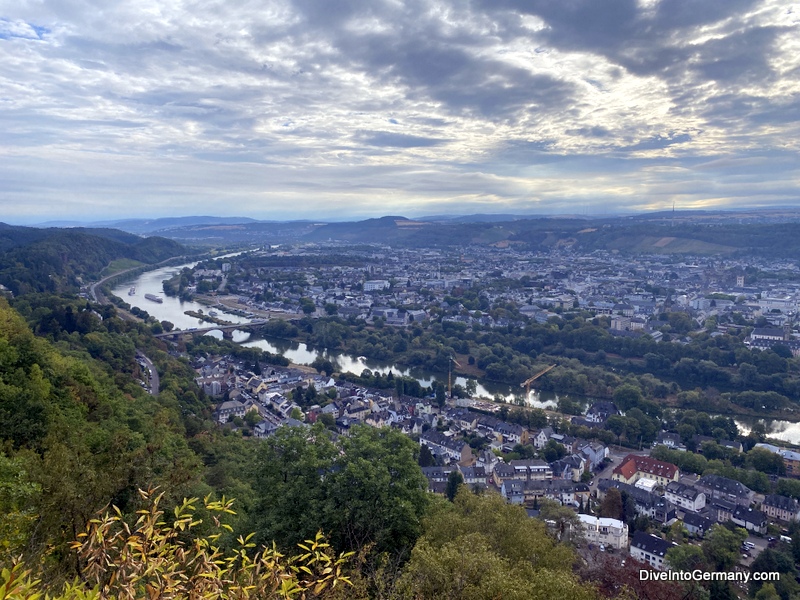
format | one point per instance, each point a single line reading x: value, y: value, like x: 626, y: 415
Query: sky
x: 339, y: 109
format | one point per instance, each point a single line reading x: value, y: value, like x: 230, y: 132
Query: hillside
x: 61, y: 260
x: 779, y: 240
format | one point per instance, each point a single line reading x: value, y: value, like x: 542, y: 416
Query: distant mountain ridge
x: 770, y: 232
x: 145, y: 226
x: 61, y: 260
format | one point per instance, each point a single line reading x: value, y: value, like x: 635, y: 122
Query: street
x: 150, y: 367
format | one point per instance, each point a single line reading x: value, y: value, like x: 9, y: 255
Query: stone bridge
x: 227, y: 330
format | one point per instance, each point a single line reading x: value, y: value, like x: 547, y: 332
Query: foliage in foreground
x: 481, y: 547
x: 159, y: 559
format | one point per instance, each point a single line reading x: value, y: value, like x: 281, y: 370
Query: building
x: 447, y: 447
x: 594, y: 453
x: 781, y: 508
x: 610, y: 532
x: 670, y: 440
x: 474, y: 476
x: 685, y: 496
x: 791, y: 459
x: 650, y: 549
x: 531, y: 470
x: 565, y: 492
x: 696, y: 524
x: 716, y: 487
x: 646, y: 503
x: 376, y: 285
x: 751, y: 519
x: 634, y: 467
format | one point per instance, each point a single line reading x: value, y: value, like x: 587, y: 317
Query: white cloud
x: 170, y: 107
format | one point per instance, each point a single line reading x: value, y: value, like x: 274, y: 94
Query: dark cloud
x: 656, y: 43
x: 464, y: 82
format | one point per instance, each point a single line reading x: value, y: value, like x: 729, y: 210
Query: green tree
x: 441, y: 398
x: 328, y: 421
x: 627, y: 396
x: 366, y: 489
x: 426, y: 458
x: 454, y: 481
x: 611, y: 506
x: 721, y: 547
x: 252, y: 418
x: 764, y: 461
x: 17, y: 497
x: 777, y: 560
x: 480, y: 547
x: 553, y: 451
x: 471, y: 387
x: 686, y: 558
x: 568, y: 527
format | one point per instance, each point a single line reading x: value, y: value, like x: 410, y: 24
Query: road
x: 148, y: 364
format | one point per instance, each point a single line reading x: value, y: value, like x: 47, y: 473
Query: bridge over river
x: 227, y: 330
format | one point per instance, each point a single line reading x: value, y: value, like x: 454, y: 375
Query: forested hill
x: 59, y: 260
x: 774, y: 240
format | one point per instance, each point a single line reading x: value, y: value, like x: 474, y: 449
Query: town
x: 634, y: 495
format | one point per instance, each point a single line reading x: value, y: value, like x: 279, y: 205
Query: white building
x: 610, y: 532
x: 685, y: 496
x: 375, y: 284
x: 650, y: 549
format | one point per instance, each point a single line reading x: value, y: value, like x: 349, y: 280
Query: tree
x: 471, y: 387
x: 553, y: 451
x: 252, y: 418
x: 441, y: 398
x: 328, y: 420
x: 426, y: 458
x: 567, y: 523
x: 169, y: 559
x: 367, y: 489
x: 777, y: 560
x: 454, y: 481
x: 721, y: 547
x: 611, y: 506
x: 627, y: 396
x: 686, y: 558
x: 764, y: 461
x: 17, y: 495
x: 481, y: 547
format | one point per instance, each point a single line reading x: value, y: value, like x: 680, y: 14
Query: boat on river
x: 132, y: 291
x: 154, y: 298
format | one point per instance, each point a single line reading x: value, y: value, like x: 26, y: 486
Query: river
x: 172, y: 309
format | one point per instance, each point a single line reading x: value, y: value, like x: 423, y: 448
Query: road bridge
x: 227, y: 330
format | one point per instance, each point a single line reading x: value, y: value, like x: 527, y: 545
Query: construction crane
x: 450, y: 376
x: 527, y: 383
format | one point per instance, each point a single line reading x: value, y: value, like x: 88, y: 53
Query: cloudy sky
x: 349, y: 108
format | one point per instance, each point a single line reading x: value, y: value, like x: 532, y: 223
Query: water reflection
x: 299, y: 353
x: 173, y: 309
x: 787, y: 431
x: 170, y: 309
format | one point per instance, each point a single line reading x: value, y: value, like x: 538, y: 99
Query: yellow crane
x: 527, y: 383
